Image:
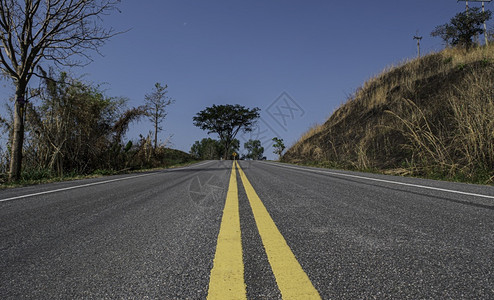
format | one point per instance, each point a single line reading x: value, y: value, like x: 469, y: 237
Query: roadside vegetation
x: 430, y: 117
x: 67, y: 128
x: 73, y: 130
x: 60, y: 33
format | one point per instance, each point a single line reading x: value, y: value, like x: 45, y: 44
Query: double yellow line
x: 227, y: 276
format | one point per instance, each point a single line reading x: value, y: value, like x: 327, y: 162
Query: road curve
x: 155, y: 235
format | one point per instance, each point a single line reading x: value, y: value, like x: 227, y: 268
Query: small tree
x: 156, y: 102
x: 278, y: 146
x: 226, y: 121
x: 463, y: 27
x: 254, y: 149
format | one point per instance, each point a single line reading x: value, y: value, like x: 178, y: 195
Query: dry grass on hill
x: 432, y: 116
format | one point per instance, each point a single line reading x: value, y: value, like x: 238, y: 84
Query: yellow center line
x: 227, y: 276
x: 292, y: 281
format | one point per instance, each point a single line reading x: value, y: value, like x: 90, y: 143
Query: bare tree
x: 156, y: 102
x: 61, y: 31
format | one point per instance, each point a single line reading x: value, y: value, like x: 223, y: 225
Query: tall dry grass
x: 432, y: 116
x: 473, y: 112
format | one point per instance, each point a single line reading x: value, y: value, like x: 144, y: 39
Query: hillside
x: 431, y: 117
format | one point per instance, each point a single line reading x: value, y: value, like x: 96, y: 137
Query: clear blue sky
x: 311, y: 53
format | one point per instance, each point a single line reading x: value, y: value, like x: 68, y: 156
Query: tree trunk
x: 227, y: 149
x: 18, y: 134
x: 155, y: 135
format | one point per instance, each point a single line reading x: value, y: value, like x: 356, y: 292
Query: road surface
x: 269, y: 231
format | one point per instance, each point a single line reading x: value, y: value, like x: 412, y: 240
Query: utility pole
x: 485, y: 26
x: 483, y: 10
x: 418, y: 38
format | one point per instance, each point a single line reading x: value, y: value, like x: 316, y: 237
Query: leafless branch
x: 63, y: 31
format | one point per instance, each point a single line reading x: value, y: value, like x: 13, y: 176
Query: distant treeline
x: 208, y: 149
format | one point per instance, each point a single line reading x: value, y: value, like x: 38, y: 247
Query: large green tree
x: 32, y: 31
x: 227, y: 121
x: 463, y: 27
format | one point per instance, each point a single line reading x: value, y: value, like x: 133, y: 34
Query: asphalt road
x: 154, y: 235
